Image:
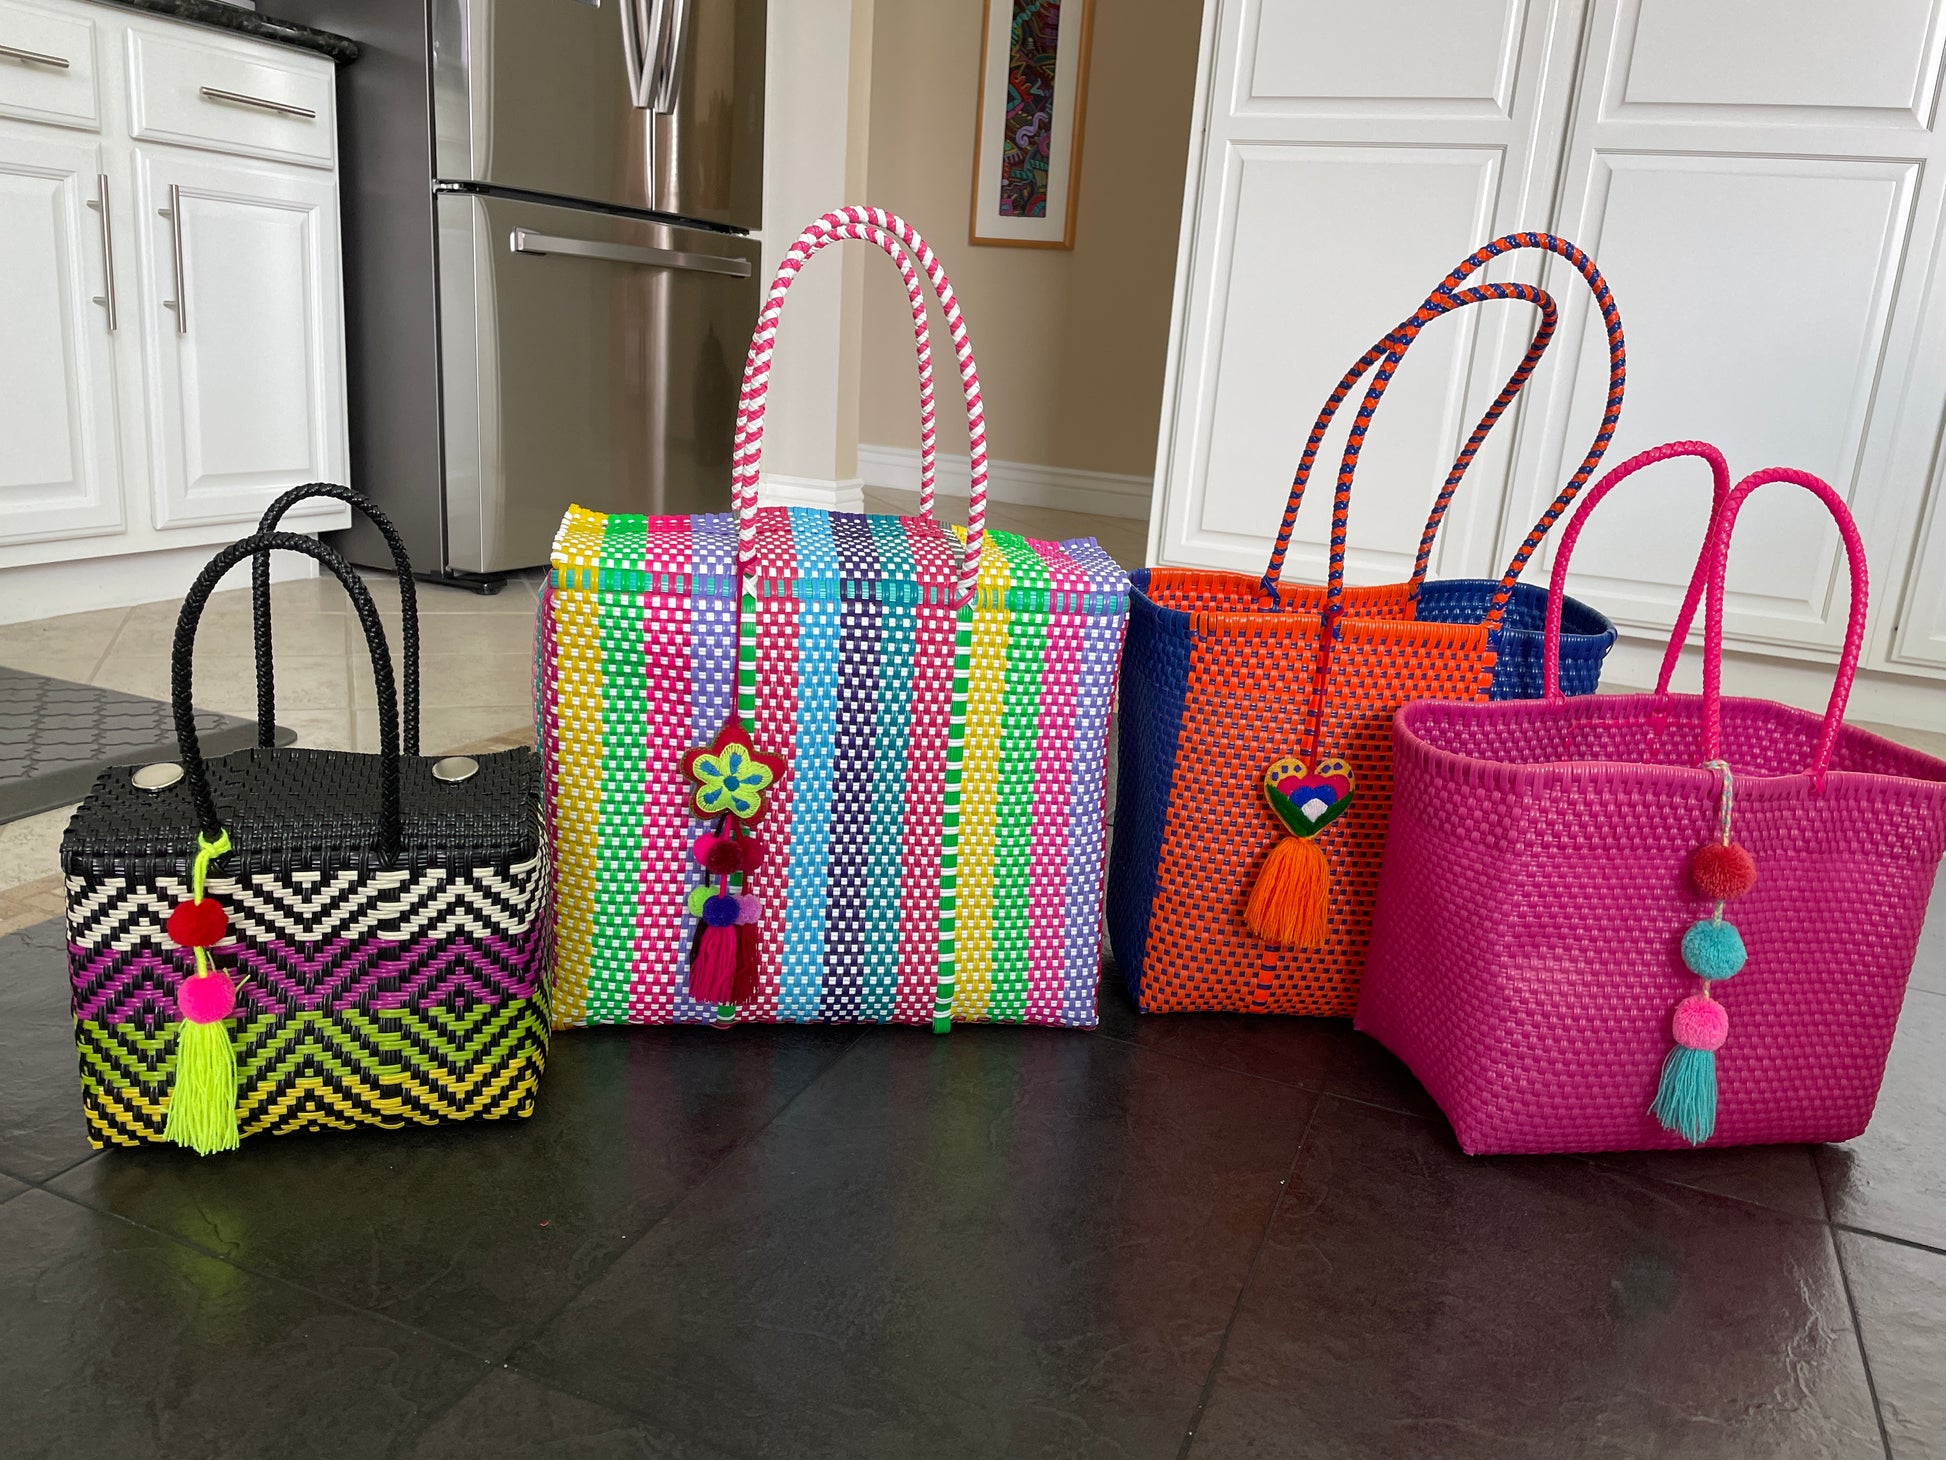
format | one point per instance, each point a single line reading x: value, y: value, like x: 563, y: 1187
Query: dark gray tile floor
x: 1199, y: 1236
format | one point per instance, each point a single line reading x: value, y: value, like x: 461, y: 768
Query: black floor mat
x: 55, y: 735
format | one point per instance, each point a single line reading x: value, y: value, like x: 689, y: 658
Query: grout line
x: 1911, y: 1242
x: 537, y: 1327
x: 1249, y: 1273
x: 108, y: 648
x: 270, y: 1277
x: 1858, y: 1337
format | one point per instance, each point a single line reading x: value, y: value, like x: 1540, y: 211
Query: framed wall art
x: 1027, y: 142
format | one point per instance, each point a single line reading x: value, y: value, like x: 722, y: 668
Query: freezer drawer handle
x: 525, y: 240
x: 216, y: 93
x: 34, y: 58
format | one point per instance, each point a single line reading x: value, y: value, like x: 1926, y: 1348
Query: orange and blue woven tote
x: 1255, y: 777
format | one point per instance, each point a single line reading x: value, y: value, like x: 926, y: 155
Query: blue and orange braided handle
x: 1386, y: 355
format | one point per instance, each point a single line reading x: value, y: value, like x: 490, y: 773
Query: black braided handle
x: 181, y: 674
x: 260, y: 603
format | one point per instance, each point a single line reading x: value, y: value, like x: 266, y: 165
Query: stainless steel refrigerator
x: 550, y: 283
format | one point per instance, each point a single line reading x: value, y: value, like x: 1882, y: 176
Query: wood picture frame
x: 1025, y: 193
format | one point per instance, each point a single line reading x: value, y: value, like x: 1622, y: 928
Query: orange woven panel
x: 1248, y: 681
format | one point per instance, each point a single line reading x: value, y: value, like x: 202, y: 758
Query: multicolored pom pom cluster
x: 1713, y: 950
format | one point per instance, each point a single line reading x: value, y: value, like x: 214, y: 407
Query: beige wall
x: 1070, y: 343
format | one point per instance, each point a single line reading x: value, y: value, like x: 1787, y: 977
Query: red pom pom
x: 207, y: 998
x: 1722, y: 872
x: 753, y: 853
x: 199, y: 924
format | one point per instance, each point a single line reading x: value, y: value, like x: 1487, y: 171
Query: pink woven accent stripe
x: 1047, y: 899
x: 889, y: 232
x: 663, y: 869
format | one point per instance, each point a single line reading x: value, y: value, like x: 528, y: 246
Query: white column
x: 816, y: 114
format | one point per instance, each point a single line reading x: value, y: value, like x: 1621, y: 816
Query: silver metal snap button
x: 455, y: 768
x: 158, y: 777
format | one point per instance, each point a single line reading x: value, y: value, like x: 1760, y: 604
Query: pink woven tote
x: 1569, y: 949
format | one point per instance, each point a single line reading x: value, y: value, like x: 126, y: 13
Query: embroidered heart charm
x: 1306, y: 800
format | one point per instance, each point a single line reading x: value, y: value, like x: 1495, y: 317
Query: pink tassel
x: 712, y: 972
x: 746, y: 979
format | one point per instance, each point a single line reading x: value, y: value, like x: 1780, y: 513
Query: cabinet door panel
x: 246, y: 369
x: 1767, y: 222
x: 1338, y: 173
x: 60, y: 469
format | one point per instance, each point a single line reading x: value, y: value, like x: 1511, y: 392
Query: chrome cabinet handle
x: 214, y: 93
x: 525, y: 240
x: 181, y: 302
x: 38, y: 58
x: 100, y: 205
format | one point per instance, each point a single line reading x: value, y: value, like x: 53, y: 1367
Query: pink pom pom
x: 207, y: 998
x: 1722, y: 872
x: 1700, y: 1023
x: 750, y: 908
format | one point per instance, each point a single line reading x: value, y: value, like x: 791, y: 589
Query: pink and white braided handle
x: 897, y: 239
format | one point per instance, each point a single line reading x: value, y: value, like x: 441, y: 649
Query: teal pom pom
x: 1685, y: 1102
x: 1713, y: 949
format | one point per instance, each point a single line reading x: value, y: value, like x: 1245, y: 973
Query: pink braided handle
x: 895, y: 237
x: 915, y: 294
x: 1718, y: 553
x: 1557, y: 583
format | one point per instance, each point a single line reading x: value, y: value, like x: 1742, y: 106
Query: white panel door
x: 245, y: 329
x: 1762, y: 186
x: 60, y: 473
x: 1347, y: 158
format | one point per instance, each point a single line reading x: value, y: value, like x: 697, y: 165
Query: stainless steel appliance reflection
x: 550, y: 282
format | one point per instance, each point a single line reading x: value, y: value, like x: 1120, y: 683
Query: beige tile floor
x: 477, y: 674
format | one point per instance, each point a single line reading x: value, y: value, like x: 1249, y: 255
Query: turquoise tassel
x: 1685, y: 1102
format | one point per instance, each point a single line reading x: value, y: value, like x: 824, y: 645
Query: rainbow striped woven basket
x: 934, y: 848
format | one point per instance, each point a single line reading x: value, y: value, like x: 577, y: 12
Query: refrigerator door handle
x: 667, y: 89
x: 526, y: 240
x: 640, y: 46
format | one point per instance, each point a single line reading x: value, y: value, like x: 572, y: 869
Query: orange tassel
x: 1291, y: 902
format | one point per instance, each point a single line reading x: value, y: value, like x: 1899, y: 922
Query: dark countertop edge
x: 219, y: 16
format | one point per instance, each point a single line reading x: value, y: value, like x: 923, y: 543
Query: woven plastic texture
x: 1244, y: 704
x: 856, y: 640
x: 1268, y: 669
x: 1536, y: 890
x: 1526, y: 952
x: 1586, y: 634
x: 372, y: 990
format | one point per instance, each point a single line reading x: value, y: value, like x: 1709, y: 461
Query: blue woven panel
x: 1155, y: 681
x: 1586, y: 634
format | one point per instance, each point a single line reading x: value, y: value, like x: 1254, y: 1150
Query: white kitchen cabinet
x: 240, y: 266
x: 60, y: 471
x: 150, y: 433
x: 1763, y: 186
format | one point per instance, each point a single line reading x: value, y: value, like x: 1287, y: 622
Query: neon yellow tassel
x: 202, y: 1098
x: 1291, y: 903
x: 202, y: 1103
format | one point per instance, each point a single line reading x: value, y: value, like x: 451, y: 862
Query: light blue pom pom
x: 1711, y: 949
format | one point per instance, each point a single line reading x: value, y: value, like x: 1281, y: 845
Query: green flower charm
x: 731, y: 775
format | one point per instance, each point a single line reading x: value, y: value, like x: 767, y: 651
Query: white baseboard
x: 1022, y: 483
x: 833, y: 496
x: 1913, y: 701
x: 44, y: 590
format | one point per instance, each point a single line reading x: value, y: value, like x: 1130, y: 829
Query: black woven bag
x: 285, y: 940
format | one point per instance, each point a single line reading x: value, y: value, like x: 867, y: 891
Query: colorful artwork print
x: 1031, y: 54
